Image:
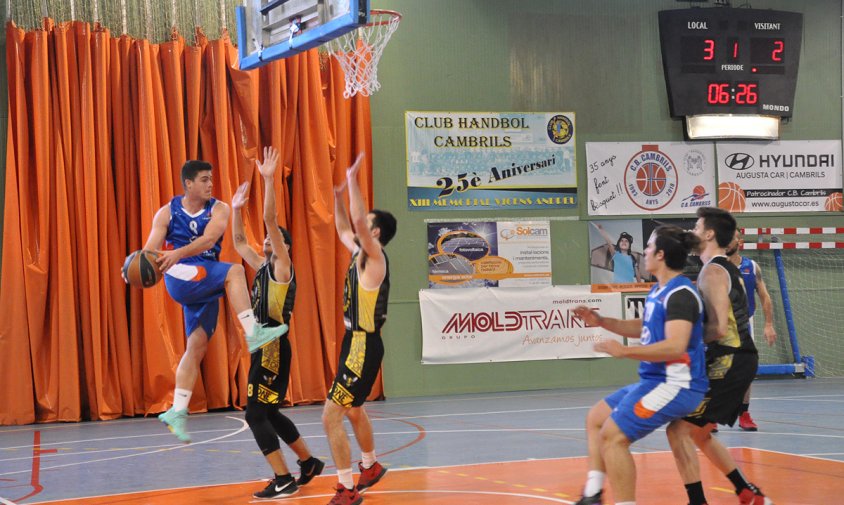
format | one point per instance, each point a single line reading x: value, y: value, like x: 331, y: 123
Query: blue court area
x: 797, y: 419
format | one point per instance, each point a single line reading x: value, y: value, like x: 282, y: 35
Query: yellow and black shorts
x: 269, y: 373
x: 360, y: 362
x: 729, y: 377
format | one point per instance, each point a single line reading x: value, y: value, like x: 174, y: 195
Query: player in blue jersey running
x: 672, y: 370
x: 187, y: 233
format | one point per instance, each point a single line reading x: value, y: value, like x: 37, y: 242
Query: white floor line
x: 243, y: 428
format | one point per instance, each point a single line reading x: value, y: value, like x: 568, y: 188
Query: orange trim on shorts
x: 643, y: 412
x: 201, y: 273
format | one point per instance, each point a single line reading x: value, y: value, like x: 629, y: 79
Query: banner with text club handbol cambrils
x: 791, y: 176
x: 649, y: 178
x: 482, y: 325
x: 490, y: 160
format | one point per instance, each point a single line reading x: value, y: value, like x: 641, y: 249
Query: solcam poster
x: 489, y: 254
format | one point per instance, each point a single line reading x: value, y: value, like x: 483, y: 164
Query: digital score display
x: 730, y: 61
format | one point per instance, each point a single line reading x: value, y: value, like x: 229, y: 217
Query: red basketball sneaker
x: 746, y: 423
x: 346, y: 496
x: 753, y: 496
x: 370, y: 476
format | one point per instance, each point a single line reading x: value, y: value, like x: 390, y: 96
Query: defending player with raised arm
x: 273, y: 297
x: 754, y: 284
x: 365, y: 297
x: 672, y: 373
x: 731, y: 361
x: 187, y: 233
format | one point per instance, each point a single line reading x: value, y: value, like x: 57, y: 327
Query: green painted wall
x: 600, y: 59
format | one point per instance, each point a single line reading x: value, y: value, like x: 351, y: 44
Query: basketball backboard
x: 268, y: 30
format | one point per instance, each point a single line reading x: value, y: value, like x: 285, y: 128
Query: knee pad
x: 284, y: 427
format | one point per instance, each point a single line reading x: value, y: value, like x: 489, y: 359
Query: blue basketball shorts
x: 197, y: 286
x: 641, y: 408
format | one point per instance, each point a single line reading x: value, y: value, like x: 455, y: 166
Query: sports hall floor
x: 505, y: 448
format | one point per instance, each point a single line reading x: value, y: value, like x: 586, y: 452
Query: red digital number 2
x: 776, y: 54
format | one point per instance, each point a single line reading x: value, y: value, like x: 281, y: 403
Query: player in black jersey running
x: 273, y: 294
x: 731, y: 362
x: 364, y: 312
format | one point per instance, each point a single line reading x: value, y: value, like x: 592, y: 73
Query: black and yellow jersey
x: 364, y: 309
x: 738, y: 337
x: 272, y: 301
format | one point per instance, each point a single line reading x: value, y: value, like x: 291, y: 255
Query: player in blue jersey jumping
x: 187, y: 233
x: 672, y: 370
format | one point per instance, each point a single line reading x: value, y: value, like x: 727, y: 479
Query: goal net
x: 806, y: 281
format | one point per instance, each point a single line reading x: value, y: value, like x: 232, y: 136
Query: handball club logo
x: 560, y: 129
x: 650, y: 178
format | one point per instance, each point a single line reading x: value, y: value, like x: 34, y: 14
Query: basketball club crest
x: 650, y: 178
x: 560, y: 129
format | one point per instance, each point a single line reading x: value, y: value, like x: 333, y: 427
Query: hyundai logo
x: 739, y: 161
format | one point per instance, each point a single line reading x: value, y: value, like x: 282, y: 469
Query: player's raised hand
x: 339, y: 189
x: 240, y: 196
x: 353, y: 170
x: 268, y: 167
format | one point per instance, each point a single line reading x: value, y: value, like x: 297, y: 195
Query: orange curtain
x: 99, y: 127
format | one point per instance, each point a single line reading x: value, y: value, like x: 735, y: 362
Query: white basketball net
x: 359, y: 51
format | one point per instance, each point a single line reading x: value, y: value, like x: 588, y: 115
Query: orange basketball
x: 833, y: 203
x: 141, y: 270
x: 731, y: 197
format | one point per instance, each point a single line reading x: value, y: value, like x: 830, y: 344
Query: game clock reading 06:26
x: 730, y: 61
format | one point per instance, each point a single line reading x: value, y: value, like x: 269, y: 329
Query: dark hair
x: 676, y: 244
x: 286, y: 234
x: 629, y: 238
x: 721, y: 222
x: 193, y: 167
x: 385, y: 222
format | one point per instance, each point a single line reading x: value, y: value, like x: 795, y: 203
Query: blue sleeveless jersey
x: 185, y: 228
x: 747, y: 268
x: 689, y: 372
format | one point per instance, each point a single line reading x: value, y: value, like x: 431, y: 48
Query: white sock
x: 625, y: 503
x: 181, y: 399
x: 247, y: 320
x: 367, y: 459
x: 594, y: 482
x: 345, y: 478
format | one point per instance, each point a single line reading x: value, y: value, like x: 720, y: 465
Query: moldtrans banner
x: 482, y: 325
x: 792, y: 176
x: 490, y: 160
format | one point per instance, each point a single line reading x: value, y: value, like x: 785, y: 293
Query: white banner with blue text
x: 787, y: 176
